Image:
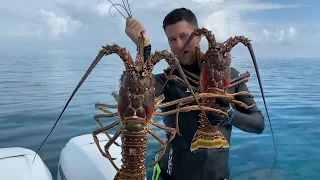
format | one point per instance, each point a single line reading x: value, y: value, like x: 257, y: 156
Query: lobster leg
x: 177, y: 130
x: 230, y: 97
x: 115, y: 96
x: 112, y: 140
x: 164, y: 146
x: 95, y: 117
x: 243, y: 105
x: 162, y: 126
x: 172, y: 130
x: 102, y: 105
x: 177, y: 120
x: 156, y: 136
x: 159, y: 99
x: 190, y: 108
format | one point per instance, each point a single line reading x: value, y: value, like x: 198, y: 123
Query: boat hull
x: 80, y: 159
x: 16, y: 164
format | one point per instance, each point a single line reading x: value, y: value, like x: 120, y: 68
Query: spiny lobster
x: 215, y: 78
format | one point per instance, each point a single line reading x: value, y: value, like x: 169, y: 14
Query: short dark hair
x: 180, y: 14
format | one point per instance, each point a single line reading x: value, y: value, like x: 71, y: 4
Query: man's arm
x: 249, y: 120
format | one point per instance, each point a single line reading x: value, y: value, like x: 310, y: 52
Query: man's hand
x: 134, y: 29
x: 220, y: 120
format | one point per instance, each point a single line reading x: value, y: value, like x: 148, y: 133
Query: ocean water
x: 35, y: 87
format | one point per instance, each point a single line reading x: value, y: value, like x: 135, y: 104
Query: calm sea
x: 35, y: 87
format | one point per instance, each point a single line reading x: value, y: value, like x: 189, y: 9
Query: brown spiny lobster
x: 215, y: 78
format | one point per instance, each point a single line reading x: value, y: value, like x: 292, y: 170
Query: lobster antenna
x: 123, y: 6
x: 264, y: 101
x: 127, y: 8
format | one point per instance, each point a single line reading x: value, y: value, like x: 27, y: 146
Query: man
x: 179, y: 163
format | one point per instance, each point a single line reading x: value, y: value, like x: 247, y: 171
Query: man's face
x: 178, y: 35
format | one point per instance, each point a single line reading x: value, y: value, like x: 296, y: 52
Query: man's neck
x: 193, y: 68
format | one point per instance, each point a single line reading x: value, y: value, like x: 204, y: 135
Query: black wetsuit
x: 208, y: 164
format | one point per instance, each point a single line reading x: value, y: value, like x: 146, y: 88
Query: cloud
x: 281, y: 36
x: 59, y: 25
x: 228, y: 22
x: 105, y: 9
x: 88, y: 24
x: 254, y: 5
x: 225, y: 24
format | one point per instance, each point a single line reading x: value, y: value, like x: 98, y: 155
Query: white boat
x: 16, y: 164
x: 81, y: 159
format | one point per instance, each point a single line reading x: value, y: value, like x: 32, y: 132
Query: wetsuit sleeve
x: 249, y: 120
x: 159, y: 78
x: 147, y: 52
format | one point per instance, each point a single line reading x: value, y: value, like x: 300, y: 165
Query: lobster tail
x: 134, y: 148
x: 207, y: 137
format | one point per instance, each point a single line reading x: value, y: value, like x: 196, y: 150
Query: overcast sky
x: 277, y: 28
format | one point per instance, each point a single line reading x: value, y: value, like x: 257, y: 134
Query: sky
x: 276, y: 28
